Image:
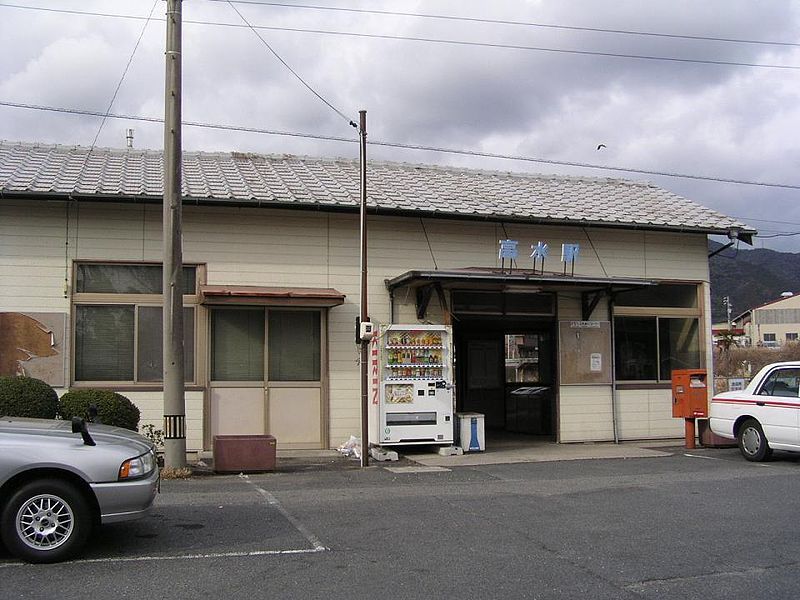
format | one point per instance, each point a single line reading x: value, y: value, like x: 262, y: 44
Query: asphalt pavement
x: 683, y: 524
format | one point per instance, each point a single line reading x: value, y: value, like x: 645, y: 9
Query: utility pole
x: 726, y: 300
x: 362, y: 134
x: 174, y: 400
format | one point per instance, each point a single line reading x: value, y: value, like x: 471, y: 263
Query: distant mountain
x: 750, y: 278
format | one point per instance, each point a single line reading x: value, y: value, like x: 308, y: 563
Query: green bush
x: 112, y: 408
x: 27, y: 397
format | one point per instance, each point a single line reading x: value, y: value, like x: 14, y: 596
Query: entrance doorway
x: 505, y: 370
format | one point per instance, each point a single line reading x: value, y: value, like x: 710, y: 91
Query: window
x: 237, y: 344
x: 791, y: 337
x: 769, y: 337
x: 500, y: 303
x: 656, y: 330
x: 119, y: 322
x: 526, y: 359
x: 94, y: 278
x: 237, y: 347
x: 294, y: 345
x: 636, y: 352
x: 678, y: 346
x: 781, y: 382
x: 650, y: 348
x: 666, y: 295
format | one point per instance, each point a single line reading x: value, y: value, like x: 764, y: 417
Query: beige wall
x: 249, y: 246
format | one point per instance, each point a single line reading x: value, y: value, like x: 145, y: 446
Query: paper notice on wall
x: 596, y: 362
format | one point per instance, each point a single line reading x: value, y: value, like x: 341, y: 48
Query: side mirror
x: 79, y: 426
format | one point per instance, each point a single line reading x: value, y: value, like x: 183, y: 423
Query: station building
x: 575, y: 343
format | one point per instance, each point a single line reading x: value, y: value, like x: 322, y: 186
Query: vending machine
x: 415, y: 379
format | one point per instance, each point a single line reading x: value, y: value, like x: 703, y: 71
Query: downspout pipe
x: 614, y: 393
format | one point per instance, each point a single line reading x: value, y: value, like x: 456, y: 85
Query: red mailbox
x: 689, y: 393
x: 689, y: 399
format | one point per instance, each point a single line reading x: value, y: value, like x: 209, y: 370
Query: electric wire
x: 599, y: 260
x: 454, y: 42
x: 124, y: 73
x: 394, y: 13
x: 777, y: 235
x: 498, y: 45
x: 430, y: 248
x: 767, y: 220
x: 103, y: 121
x: 421, y: 147
x: 350, y: 121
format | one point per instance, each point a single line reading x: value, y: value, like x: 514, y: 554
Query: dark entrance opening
x: 505, y: 369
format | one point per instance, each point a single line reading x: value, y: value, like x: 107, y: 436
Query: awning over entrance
x: 592, y: 289
x: 273, y: 296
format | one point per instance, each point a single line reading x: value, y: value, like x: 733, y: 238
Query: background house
x: 774, y: 323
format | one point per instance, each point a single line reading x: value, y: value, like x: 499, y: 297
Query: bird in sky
x: 601, y: 146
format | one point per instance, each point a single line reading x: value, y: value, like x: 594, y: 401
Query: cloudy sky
x: 529, y: 78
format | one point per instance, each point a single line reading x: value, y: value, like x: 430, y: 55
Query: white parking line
x: 317, y: 546
x: 756, y: 464
x: 124, y: 559
x: 273, y: 501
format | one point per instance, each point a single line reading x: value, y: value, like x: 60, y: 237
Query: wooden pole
x: 362, y: 133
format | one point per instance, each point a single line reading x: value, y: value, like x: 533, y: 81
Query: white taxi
x: 763, y: 417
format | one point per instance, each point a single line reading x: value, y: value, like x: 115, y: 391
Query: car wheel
x: 45, y: 520
x: 752, y: 442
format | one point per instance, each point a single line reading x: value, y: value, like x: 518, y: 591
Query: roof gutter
x: 742, y: 234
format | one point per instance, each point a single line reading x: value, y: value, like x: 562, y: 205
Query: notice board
x: 584, y: 352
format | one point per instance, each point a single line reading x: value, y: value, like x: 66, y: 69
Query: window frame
x: 137, y: 301
x: 662, y: 312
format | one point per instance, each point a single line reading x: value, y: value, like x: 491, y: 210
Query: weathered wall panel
x: 314, y: 249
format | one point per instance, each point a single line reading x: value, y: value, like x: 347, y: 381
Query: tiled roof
x: 28, y: 169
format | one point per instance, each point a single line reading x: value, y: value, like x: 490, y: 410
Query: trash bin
x: 470, y: 429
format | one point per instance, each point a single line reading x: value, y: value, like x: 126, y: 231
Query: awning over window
x: 271, y: 296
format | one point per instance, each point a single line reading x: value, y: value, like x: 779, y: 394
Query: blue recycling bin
x: 471, y: 431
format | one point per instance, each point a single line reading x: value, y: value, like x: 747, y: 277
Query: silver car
x: 58, y: 479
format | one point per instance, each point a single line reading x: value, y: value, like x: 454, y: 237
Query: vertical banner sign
x: 374, y: 370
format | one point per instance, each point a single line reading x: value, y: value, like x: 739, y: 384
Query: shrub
x: 27, y: 397
x: 739, y: 361
x: 112, y: 408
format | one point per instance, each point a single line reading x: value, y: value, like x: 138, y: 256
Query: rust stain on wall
x: 23, y: 338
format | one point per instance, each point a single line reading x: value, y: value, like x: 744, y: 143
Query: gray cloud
x: 727, y: 121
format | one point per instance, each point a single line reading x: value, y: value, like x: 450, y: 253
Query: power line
x: 124, y: 73
x: 440, y: 41
x: 777, y: 235
x: 291, y: 70
x: 518, y: 23
x: 529, y: 48
x: 410, y: 146
x: 767, y: 220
